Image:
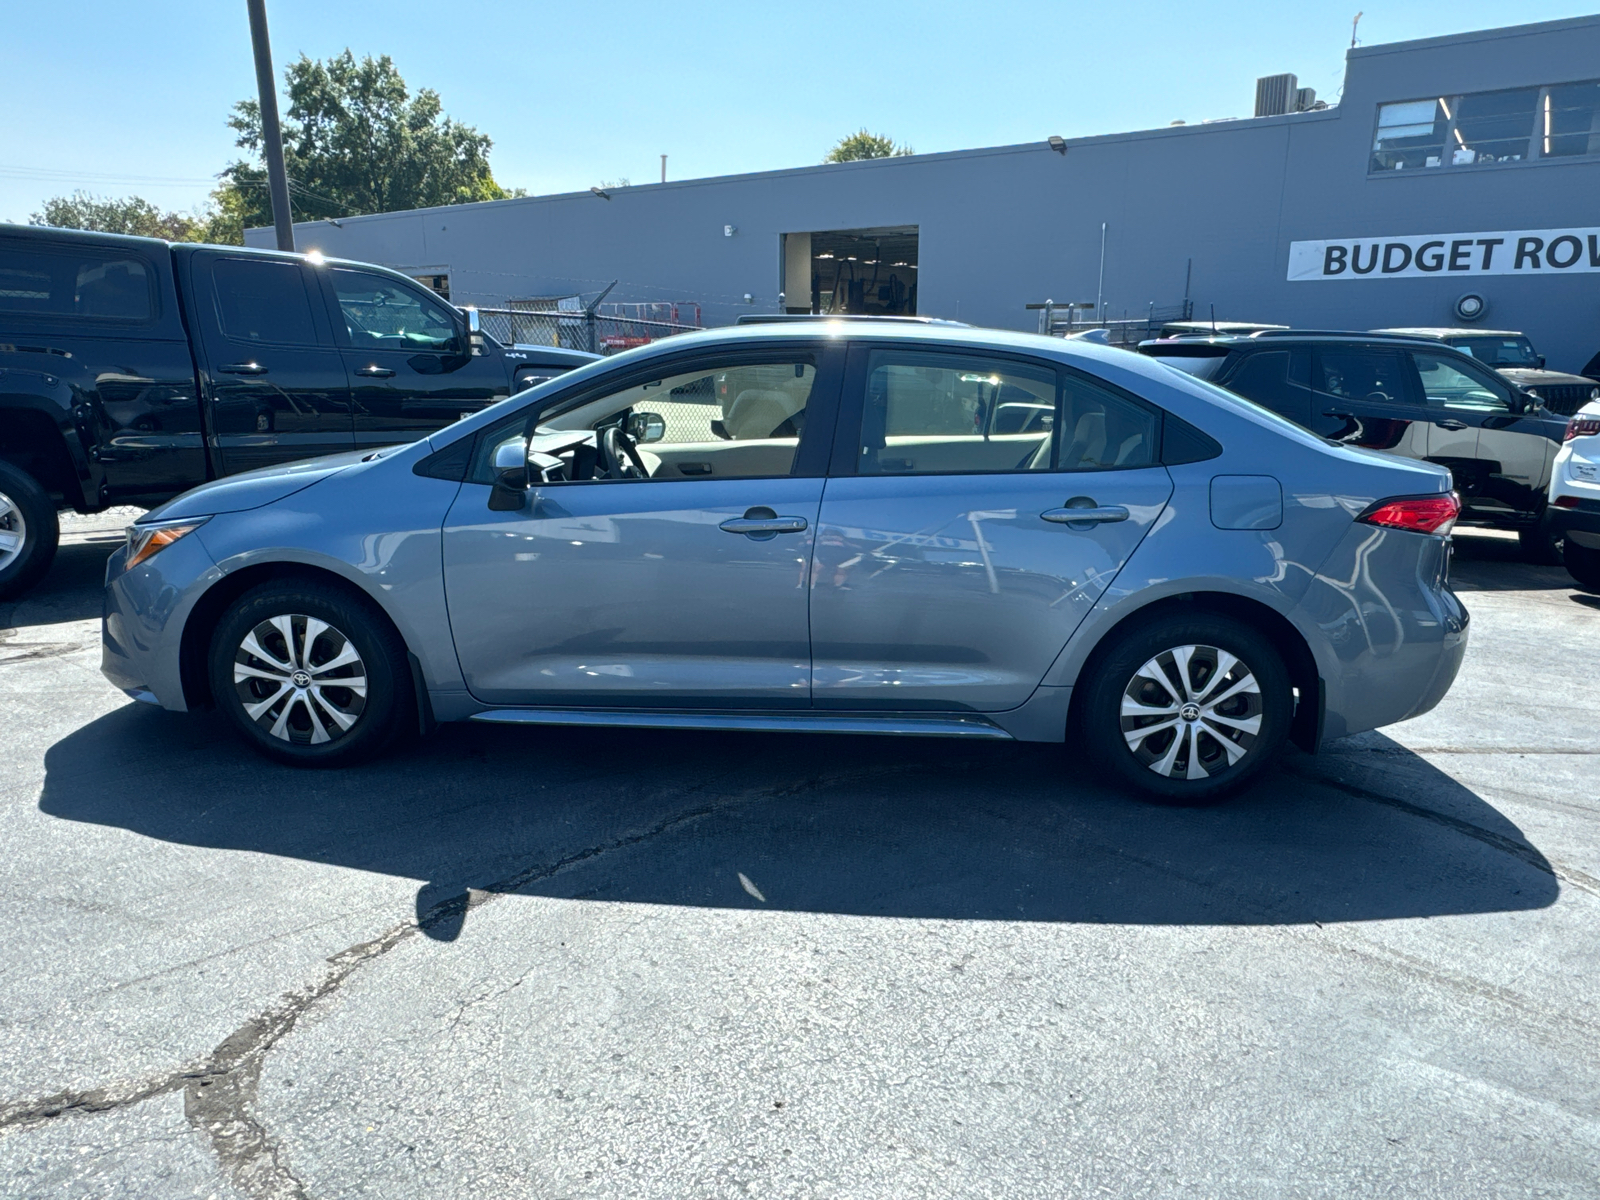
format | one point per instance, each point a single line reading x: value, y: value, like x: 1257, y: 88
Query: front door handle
x: 374, y: 371
x: 1085, y: 516
x: 244, y: 368
x: 1452, y: 423
x: 762, y: 523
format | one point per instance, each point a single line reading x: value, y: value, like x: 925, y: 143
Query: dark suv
x: 1403, y: 395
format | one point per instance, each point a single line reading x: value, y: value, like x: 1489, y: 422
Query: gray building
x: 1450, y: 167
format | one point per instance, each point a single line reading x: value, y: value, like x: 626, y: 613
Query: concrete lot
x: 559, y: 963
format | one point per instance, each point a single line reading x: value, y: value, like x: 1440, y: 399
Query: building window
x: 1488, y: 128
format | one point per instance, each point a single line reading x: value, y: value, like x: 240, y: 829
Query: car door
x: 950, y: 568
x: 273, y: 381
x: 683, y: 588
x: 1498, y: 455
x: 407, y: 356
x: 1364, y: 395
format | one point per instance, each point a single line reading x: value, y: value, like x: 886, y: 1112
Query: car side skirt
x: 961, y: 725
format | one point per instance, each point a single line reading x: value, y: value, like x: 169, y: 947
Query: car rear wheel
x: 1583, y: 564
x: 28, y: 531
x: 1187, y: 709
x: 311, y: 675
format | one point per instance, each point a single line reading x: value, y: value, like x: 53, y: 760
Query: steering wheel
x: 622, y: 459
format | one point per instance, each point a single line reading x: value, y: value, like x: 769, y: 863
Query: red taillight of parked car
x: 1582, y: 427
x: 1419, y: 514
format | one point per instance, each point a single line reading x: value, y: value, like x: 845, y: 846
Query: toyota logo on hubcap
x: 300, y: 679
x: 1189, y: 712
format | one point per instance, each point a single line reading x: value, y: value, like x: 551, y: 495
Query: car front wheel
x: 310, y: 675
x: 1187, y: 709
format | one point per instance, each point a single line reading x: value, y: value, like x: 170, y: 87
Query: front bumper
x: 142, y: 627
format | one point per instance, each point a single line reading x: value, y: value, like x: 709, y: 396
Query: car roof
x: 1269, y: 337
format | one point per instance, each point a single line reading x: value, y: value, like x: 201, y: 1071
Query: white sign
x: 1425, y: 255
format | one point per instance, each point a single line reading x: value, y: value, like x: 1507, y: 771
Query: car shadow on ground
x: 71, y: 590
x: 1482, y: 562
x: 894, y: 827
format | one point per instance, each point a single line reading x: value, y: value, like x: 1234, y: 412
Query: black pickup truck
x: 133, y: 369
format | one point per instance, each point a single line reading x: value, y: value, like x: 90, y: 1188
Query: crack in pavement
x: 220, y: 1091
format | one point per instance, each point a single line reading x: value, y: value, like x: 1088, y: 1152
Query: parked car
x: 1403, y: 395
x: 1213, y: 328
x: 1513, y: 356
x: 1575, y: 497
x: 132, y: 369
x: 835, y: 526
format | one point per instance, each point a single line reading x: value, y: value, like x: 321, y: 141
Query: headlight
x: 145, y: 540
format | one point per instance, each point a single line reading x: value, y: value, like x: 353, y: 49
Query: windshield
x: 1499, y: 351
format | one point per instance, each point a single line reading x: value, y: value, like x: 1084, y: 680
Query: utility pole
x: 1100, y: 288
x: 271, y: 132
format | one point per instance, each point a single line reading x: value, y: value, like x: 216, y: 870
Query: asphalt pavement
x: 576, y: 963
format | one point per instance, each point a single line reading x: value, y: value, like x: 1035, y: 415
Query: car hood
x: 252, y: 489
x: 1527, y: 377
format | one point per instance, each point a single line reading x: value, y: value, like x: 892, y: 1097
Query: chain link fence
x: 579, y: 329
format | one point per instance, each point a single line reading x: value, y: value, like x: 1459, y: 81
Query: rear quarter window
x: 109, y: 285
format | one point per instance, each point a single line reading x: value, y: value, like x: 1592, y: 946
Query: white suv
x: 1574, y: 509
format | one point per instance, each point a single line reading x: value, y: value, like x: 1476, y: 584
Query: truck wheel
x: 1583, y: 564
x: 29, y: 531
x: 310, y: 674
x: 1187, y: 709
x: 1538, y: 546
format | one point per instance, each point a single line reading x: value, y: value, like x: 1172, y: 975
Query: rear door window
x: 263, y: 301
x: 111, y: 285
x: 1367, y: 374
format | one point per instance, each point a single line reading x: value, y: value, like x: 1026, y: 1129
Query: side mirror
x: 474, y: 332
x: 646, y: 427
x: 1541, y: 362
x: 1522, y: 401
x: 510, y: 468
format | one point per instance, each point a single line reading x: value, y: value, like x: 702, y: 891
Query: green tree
x: 355, y: 140
x: 861, y: 144
x: 113, y: 214
x: 219, y: 220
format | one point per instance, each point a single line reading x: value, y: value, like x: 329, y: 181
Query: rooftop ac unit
x: 1275, y: 95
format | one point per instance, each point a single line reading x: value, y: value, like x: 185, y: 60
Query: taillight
x: 1418, y: 514
x: 1582, y: 427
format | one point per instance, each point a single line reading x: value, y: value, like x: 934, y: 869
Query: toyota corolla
x: 831, y: 526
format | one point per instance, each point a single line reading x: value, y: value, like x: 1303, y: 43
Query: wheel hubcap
x: 13, y: 531
x: 1192, y: 712
x: 300, y: 679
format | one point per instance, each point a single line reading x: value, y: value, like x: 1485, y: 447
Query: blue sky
x: 121, y: 97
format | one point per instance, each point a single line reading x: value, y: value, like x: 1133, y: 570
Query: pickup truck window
x: 259, y: 300
x: 381, y: 314
x: 113, y: 287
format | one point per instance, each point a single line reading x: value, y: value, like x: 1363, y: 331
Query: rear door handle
x: 1452, y: 423
x: 374, y: 371
x: 1085, y: 516
x: 244, y: 368
x: 767, y: 525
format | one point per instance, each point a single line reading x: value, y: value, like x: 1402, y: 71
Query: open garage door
x: 862, y: 271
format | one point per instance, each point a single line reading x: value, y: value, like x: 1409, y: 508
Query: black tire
x: 251, y: 662
x: 1157, y: 765
x: 1538, y: 546
x: 26, y: 510
x: 1583, y: 564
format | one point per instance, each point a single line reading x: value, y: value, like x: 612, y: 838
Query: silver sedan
x: 833, y: 526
